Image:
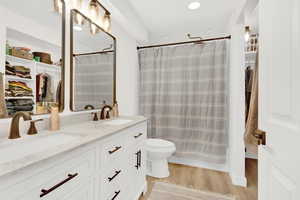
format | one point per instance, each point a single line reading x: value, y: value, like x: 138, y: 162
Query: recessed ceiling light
x: 194, y: 5
x: 77, y: 28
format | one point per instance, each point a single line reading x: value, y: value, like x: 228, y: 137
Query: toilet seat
x: 159, y: 144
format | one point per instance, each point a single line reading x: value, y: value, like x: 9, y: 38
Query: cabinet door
x: 137, y: 169
x: 84, y: 192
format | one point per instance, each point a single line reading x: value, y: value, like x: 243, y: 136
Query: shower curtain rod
x: 92, y: 53
x: 188, y: 42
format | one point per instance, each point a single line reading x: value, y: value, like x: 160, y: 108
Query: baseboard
x: 196, y: 163
x: 238, y: 180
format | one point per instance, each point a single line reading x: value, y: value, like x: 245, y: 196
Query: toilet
x: 158, y: 152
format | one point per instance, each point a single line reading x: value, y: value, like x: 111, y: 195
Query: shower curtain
x: 93, y: 80
x: 183, y: 92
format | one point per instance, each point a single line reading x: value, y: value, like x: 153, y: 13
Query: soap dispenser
x: 54, y: 118
x: 115, y: 109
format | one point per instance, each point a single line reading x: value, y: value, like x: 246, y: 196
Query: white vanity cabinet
x: 123, y: 167
x: 112, y: 168
x: 55, y: 178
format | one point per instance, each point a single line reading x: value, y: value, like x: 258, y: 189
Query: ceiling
x: 37, y: 10
x: 168, y: 18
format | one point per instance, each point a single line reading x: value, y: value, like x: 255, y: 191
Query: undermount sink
x: 11, y: 150
x: 117, y: 122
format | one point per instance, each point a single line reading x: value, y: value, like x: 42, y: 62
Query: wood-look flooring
x: 209, y: 180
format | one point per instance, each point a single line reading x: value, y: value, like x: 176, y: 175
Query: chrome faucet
x: 14, y: 126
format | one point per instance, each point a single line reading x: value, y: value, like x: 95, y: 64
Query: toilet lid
x: 159, y: 143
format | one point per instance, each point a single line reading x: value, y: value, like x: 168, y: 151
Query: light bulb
x: 94, y: 29
x: 58, y: 6
x: 194, y: 5
x: 93, y: 9
x: 79, y: 19
x: 77, y: 28
x: 77, y: 4
x: 247, y: 33
x: 106, y: 22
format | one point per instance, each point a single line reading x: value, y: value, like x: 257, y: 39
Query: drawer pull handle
x: 115, y: 150
x: 116, y: 194
x: 139, y: 135
x: 45, y: 192
x: 114, y: 176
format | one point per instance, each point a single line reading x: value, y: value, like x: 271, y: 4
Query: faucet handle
x: 107, y: 114
x: 33, y: 130
x: 95, y: 116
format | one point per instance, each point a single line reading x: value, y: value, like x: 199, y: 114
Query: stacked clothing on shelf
x: 17, y: 70
x: 16, y: 105
x: 9, y: 70
x: 18, y: 89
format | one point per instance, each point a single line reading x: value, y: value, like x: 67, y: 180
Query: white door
x: 279, y: 99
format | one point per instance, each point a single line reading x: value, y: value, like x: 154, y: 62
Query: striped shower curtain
x: 183, y: 92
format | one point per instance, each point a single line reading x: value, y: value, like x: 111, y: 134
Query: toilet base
x: 158, y: 168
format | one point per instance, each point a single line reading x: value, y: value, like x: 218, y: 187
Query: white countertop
x: 68, y: 138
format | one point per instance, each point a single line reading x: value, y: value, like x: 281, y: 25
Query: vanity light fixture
x: 247, y: 33
x: 94, y: 29
x: 95, y: 13
x: 194, y: 5
x: 58, y: 6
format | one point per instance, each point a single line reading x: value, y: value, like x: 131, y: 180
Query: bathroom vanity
x: 102, y: 160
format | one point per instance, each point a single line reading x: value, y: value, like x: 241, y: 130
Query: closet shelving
x: 250, y: 62
x: 35, y: 68
x: 16, y: 78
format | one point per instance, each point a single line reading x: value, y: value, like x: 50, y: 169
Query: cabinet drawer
x: 113, y: 178
x: 136, y: 134
x: 113, y: 150
x: 54, y: 182
x: 117, y: 193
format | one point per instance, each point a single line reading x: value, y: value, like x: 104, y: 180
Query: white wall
x: 237, y: 93
x: 127, y: 72
x: 237, y: 107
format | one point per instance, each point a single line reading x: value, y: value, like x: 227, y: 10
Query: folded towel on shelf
x: 17, y: 70
x: 18, y: 85
x: 18, y: 89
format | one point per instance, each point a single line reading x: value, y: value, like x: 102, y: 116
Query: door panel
x: 279, y: 99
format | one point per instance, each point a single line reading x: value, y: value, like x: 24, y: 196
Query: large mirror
x: 93, y: 64
x: 32, y: 67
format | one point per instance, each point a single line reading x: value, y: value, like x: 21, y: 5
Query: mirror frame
x: 63, y: 57
x: 72, y: 13
x: 63, y: 69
